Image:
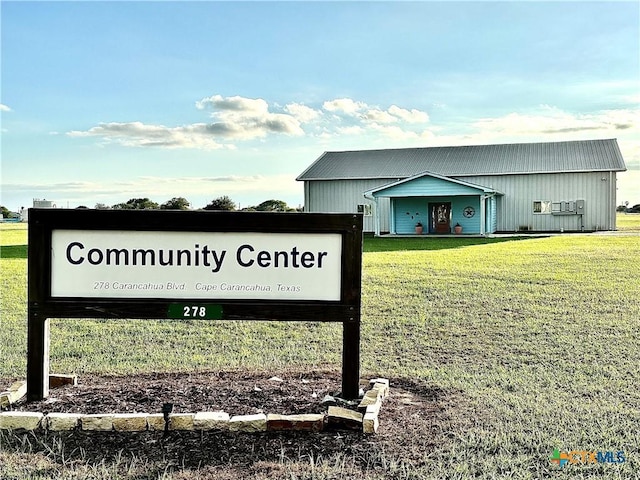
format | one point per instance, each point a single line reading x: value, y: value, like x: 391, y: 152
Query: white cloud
x: 249, y: 127
x: 347, y: 121
x: 549, y: 123
x: 399, y: 134
x: 234, y: 118
x: 553, y: 121
x: 238, y: 118
x: 411, y: 116
x: 353, y: 130
x: 378, y: 116
x: 395, y: 114
x: 255, y: 106
x: 354, y: 118
x: 344, y: 105
x: 246, y: 118
x: 4, y: 108
x: 302, y: 113
x: 137, y: 134
x: 374, y: 118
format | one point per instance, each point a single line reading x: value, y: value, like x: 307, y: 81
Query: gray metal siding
x: 492, y: 217
x: 511, y: 212
x: 515, y: 208
x: 344, y: 196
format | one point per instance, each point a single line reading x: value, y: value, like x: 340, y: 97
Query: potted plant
x: 419, y: 228
x: 457, y: 229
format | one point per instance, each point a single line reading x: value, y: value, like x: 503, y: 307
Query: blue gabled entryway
x: 439, y: 204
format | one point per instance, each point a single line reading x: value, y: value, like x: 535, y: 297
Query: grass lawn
x: 539, y: 338
x: 628, y: 221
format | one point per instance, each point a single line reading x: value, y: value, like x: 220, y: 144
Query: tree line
x: 180, y: 203
x: 627, y: 209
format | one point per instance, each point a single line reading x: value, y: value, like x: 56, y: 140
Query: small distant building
x: 482, y: 189
x: 38, y: 203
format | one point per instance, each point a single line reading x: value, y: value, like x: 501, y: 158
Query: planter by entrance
x: 457, y: 229
x: 419, y: 229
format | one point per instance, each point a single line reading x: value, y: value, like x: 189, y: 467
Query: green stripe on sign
x: 205, y: 311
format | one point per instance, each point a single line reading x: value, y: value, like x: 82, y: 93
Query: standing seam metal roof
x: 502, y: 159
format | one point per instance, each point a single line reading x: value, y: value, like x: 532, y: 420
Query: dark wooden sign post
x: 163, y: 264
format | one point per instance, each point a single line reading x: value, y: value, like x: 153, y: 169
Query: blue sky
x: 106, y: 101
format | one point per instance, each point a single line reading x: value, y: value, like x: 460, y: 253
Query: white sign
x: 197, y: 265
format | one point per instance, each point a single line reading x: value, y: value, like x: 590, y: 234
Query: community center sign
x: 202, y: 265
x: 192, y: 265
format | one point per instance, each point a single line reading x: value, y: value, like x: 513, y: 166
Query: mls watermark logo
x: 585, y: 457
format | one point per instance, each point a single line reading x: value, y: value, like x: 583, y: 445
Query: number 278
x: 193, y: 311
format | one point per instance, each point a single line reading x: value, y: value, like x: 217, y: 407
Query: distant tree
x: 274, y: 206
x: 137, y: 204
x: 176, y: 203
x: 102, y: 206
x: 5, y: 212
x: 221, y: 203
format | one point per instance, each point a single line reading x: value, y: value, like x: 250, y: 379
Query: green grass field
x: 539, y: 336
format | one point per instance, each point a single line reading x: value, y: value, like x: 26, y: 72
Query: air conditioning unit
x: 569, y: 207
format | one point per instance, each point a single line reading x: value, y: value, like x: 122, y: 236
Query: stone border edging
x: 365, y: 419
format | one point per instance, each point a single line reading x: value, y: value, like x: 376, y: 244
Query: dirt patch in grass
x: 414, y: 419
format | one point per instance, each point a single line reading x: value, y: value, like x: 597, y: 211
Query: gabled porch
x: 440, y: 205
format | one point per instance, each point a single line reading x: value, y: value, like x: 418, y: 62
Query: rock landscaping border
x: 365, y: 418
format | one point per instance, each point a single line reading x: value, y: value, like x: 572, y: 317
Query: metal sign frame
x: 42, y: 305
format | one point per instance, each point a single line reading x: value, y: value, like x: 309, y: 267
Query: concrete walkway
x: 617, y: 233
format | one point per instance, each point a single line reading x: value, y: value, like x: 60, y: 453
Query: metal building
x: 481, y: 189
x: 43, y: 203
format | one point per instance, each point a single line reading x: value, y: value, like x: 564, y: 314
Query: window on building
x: 365, y: 208
x: 542, y: 206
